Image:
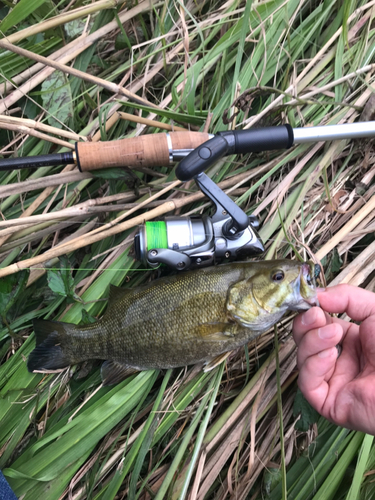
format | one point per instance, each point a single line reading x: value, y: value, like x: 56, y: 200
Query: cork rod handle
x: 144, y: 151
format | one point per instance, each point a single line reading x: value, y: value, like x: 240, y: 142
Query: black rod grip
x: 36, y: 161
x: 263, y: 139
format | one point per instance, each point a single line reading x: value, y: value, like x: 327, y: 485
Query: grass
x: 234, y: 432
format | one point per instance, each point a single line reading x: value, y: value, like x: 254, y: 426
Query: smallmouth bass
x: 188, y: 318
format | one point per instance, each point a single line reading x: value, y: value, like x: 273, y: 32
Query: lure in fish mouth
x: 193, y: 317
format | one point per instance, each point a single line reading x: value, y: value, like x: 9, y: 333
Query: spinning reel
x: 190, y: 242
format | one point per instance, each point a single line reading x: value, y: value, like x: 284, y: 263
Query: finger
x: 313, y: 377
x: 317, y: 340
x: 313, y: 318
x: 359, y: 304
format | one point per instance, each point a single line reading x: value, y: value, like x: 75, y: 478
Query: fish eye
x: 278, y: 276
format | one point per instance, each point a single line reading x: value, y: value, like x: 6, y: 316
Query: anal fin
x: 113, y: 372
x: 216, y: 361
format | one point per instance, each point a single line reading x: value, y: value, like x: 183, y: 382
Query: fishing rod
x: 164, y: 149
x: 186, y: 242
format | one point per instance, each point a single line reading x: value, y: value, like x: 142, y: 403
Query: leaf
x: 308, y: 414
x: 271, y: 478
x: 57, y: 99
x: 336, y: 262
x: 109, y: 173
x: 21, y: 11
x: 122, y: 42
x: 347, y: 10
x: 61, y: 280
x: 165, y: 113
x: 334, y: 203
x: 87, y: 318
x: 76, y: 27
x: 10, y: 289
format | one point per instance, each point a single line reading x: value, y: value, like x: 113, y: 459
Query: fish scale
x: 184, y: 319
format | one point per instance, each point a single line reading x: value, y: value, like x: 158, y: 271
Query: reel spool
x: 191, y: 242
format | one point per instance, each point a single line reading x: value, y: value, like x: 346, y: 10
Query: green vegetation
x: 183, y: 433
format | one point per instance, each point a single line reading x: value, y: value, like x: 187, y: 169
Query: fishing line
x: 88, y: 269
x: 156, y: 233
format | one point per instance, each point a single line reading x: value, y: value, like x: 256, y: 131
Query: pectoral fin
x: 216, y: 331
x: 216, y: 361
x: 113, y: 372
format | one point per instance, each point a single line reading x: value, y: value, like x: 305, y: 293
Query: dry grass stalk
x: 56, y: 252
x: 349, y: 226
x: 37, y: 272
x: 320, y: 90
x: 67, y: 17
x: 23, y: 129
x: 112, y: 87
x: 233, y: 438
x: 5, y: 88
x: 365, y: 227
x: 78, y: 210
x: 27, y: 234
x: 149, y: 123
x: 279, y: 192
x: 43, y: 182
x: 72, y: 51
x: 355, y: 267
x: 36, y: 125
x: 37, y: 202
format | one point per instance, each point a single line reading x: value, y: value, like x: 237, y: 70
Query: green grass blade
x: 21, y: 11
x: 363, y: 458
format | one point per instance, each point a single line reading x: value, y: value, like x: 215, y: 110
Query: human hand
x: 339, y: 388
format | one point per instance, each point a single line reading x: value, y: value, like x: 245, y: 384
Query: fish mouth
x: 305, y: 289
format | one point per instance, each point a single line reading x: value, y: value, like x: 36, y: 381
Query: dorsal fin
x: 116, y: 293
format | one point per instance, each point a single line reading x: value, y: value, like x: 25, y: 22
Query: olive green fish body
x: 179, y: 320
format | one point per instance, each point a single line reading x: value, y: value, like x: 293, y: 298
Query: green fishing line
x: 156, y: 233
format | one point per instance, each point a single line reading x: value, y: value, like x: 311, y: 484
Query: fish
x: 193, y: 317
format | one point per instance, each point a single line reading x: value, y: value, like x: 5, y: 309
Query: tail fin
x: 48, y: 353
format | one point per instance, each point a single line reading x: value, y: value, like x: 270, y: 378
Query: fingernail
x: 320, y: 290
x: 327, y: 332
x: 327, y: 352
x: 309, y: 317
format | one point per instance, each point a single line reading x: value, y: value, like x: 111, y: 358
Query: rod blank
x: 334, y: 132
x: 162, y: 149
x: 36, y: 161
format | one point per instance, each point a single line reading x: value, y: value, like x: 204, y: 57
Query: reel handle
x: 144, y: 151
